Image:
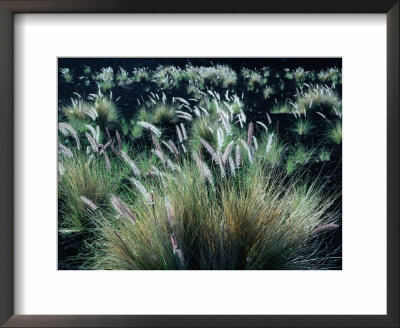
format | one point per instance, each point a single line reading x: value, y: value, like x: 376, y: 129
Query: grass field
x: 199, y: 167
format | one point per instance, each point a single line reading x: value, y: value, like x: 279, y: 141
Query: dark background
x: 235, y: 63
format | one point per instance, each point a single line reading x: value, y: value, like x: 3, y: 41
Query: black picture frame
x: 10, y: 7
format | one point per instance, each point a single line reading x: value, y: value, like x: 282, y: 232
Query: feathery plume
x: 255, y: 143
x: 131, y: 163
x: 142, y: 190
x: 119, y: 140
x: 170, y: 212
x: 174, y: 149
x: 269, y: 119
x: 250, y: 132
x: 92, y: 142
x: 183, y: 131
x: 65, y: 151
x: 209, y: 149
x: 237, y: 156
x: 269, y: 144
x: 227, y: 152
x: 89, y: 203
x: 66, y: 129
x: 231, y: 165
x: 324, y: 228
x: 150, y: 127
x: 263, y: 125
x: 178, y: 132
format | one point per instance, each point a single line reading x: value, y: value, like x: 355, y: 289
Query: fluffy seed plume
x: 122, y: 209
x: 92, y: 142
x: 263, y: 125
x: 269, y: 144
x: 269, y: 119
x: 119, y: 140
x: 66, y: 130
x: 250, y: 133
x: 183, y: 131
x: 150, y: 127
x: 203, y: 168
x: 237, y: 156
x: 232, y: 166
x: 324, y: 228
x: 178, y: 132
x: 65, y: 151
x: 255, y: 143
x: 227, y: 152
x: 131, y: 163
x: 170, y: 212
x: 142, y: 190
x: 210, y: 150
x: 89, y: 203
x: 175, y: 150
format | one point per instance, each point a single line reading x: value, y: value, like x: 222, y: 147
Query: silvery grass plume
x: 95, y: 133
x: 170, y: 213
x: 184, y: 115
x: 150, y: 127
x: 166, y: 144
x: 269, y: 119
x: 221, y: 164
x: 204, y: 170
x: 269, y: 144
x: 67, y: 130
x: 183, y: 131
x: 118, y: 140
x: 178, y: 132
x: 232, y: 165
x: 92, y: 142
x: 210, y: 150
x: 220, y: 138
x: 183, y: 101
x: 250, y: 132
x: 324, y: 228
x: 131, y: 163
x: 107, y: 160
x: 225, y: 122
x: 177, y: 252
x: 175, y: 150
x: 255, y: 143
x: 147, y: 196
x: 323, y: 116
x: 227, y: 152
x: 172, y: 148
x: 156, y: 143
x: 65, y: 151
x: 122, y: 209
x: 237, y: 156
x: 263, y: 125
x: 89, y: 203
x: 249, y: 150
x: 92, y: 113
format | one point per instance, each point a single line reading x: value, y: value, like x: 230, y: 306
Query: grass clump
x: 318, y: 99
x: 325, y: 155
x: 302, y: 126
x: 105, y: 111
x: 67, y: 75
x: 105, y: 79
x: 252, y: 223
x: 334, y: 133
x: 77, y: 110
x: 83, y: 180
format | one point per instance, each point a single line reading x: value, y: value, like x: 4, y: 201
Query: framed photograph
x: 199, y: 165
